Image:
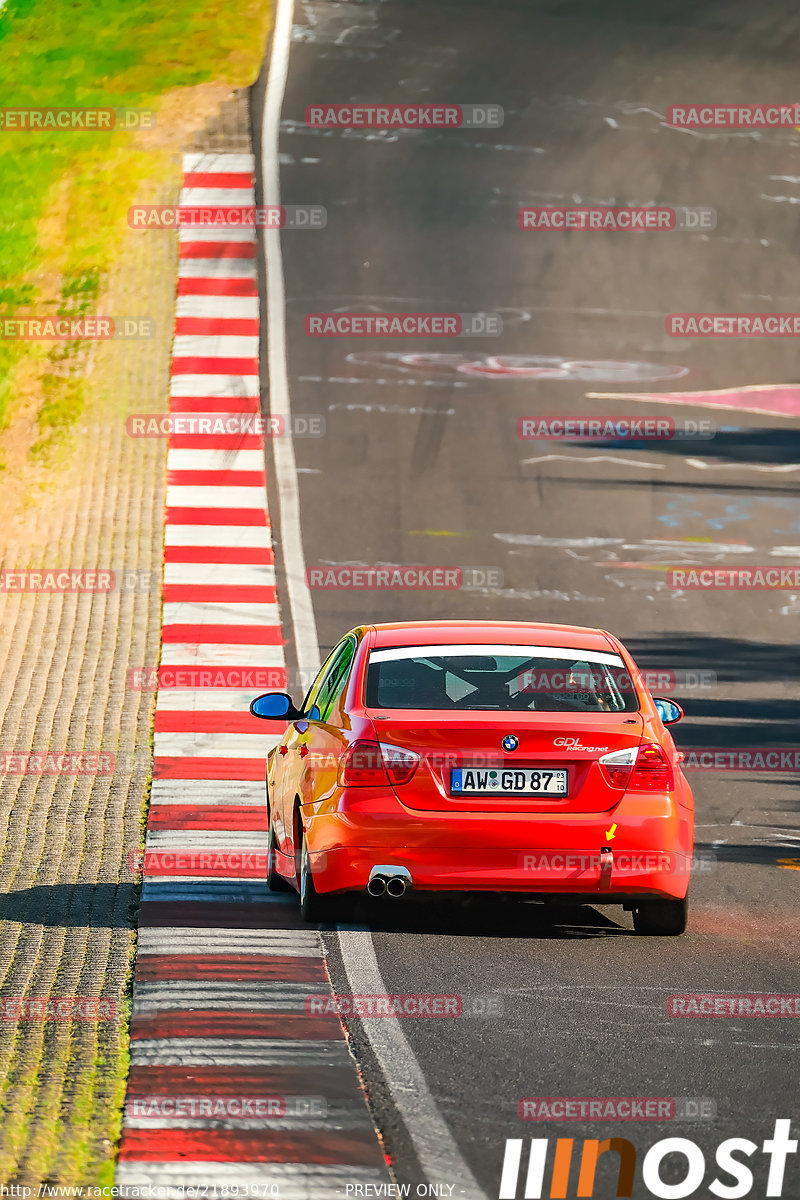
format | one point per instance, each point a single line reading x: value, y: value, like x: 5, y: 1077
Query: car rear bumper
x: 648, y: 855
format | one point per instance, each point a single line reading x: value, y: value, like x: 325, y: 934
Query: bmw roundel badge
x: 510, y: 742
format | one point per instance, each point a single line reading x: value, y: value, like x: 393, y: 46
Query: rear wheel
x: 275, y: 882
x: 661, y: 918
x: 311, y: 904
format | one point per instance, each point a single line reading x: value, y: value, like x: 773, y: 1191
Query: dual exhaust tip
x: 389, y: 881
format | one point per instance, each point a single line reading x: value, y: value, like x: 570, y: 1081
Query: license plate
x: 517, y: 781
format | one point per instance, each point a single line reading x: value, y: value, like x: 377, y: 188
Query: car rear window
x: 499, y: 678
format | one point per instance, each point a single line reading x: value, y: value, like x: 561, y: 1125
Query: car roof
x: 508, y: 633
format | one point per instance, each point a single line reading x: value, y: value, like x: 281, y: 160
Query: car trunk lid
x: 483, y: 744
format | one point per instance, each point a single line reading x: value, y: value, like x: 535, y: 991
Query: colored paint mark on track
x: 780, y: 400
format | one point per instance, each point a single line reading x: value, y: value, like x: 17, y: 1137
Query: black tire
x: 275, y: 882
x: 312, y: 906
x: 661, y: 918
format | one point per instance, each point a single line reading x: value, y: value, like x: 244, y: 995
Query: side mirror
x: 668, y: 710
x: 275, y: 706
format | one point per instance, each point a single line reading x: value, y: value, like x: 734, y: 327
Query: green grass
x: 64, y: 194
x: 64, y: 197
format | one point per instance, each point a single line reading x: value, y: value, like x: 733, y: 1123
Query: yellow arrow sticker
x: 610, y: 833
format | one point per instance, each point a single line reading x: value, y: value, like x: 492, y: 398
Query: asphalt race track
x: 421, y: 463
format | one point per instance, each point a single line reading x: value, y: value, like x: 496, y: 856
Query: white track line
x: 332, y: 1121
x: 232, y: 612
x: 253, y: 536
x: 206, y: 990
x: 207, y: 791
x: 215, y: 495
x: 221, y: 654
x: 238, y: 1052
x: 205, y: 940
x: 238, y: 574
x: 215, y: 345
x: 214, y: 460
x: 211, y: 840
x: 236, y: 307
x: 434, y: 1145
x: 220, y: 386
x: 214, y: 745
x: 216, y: 700
x: 584, y: 458
x: 200, y: 233
x: 212, y: 162
x: 302, y: 609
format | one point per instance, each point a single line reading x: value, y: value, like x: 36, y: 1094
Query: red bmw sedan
x: 479, y: 756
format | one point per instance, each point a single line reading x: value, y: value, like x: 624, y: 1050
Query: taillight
x: 363, y: 766
x: 376, y: 764
x: 652, y: 772
x: 400, y: 763
x: 618, y: 766
x: 645, y: 769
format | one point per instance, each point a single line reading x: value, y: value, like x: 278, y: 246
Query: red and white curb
x: 231, y: 1081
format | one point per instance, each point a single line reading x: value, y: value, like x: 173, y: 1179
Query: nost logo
x: 692, y: 1167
